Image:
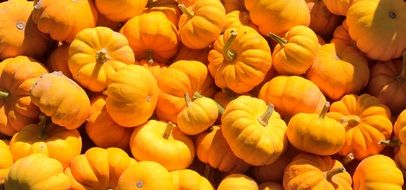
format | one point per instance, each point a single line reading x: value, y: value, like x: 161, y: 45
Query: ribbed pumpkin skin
x: 400, y: 135
x: 58, y: 60
x: 190, y: 180
x: 237, y: 181
x: 120, y: 10
x: 6, y: 160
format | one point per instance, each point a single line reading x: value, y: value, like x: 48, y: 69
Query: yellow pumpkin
x: 120, y: 10
x: 187, y: 179
x: 6, y: 160
x: 238, y: 181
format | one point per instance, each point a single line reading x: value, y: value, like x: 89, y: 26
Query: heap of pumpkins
x: 202, y: 94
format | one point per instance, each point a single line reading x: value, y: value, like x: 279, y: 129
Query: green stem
x: 391, y: 143
x: 198, y: 95
x: 332, y: 172
x: 324, y: 110
x: 263, y: 119
x: 190, y: 14
x: 187, y: 99
x: 281, y: 41
x: 168, y: 130
x: 351, y: 120
x: 3, y: 94
x: 230, y: 54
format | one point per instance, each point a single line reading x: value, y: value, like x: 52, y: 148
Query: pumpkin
x: 316, y: 133
x: 232, y: 5
x: 158, y: 41
x: 58, y: 60
x: 238, y: 181
x: 225, y: 96
x: 62, y: 20
x: 274, y: 172
x: 146, y: 175
x: 62, y: 99
x: 212, y: 149
x: 98, y: 168
x: 43, y: 173
x: 132, y: 96
x: 307, y: 171
x: 292, y: 94
x: 17, y: 75
x: 377, y: 172
x: 201, y: 23
x: 96, y: 54
x: 322, y: 21
x: 154, y: 67
x: 240, y: 59
x: 186, y: 53
x: 198, y: 115
x: 277, y: 16
x: 387, y: 83
x: 180, y: 77
x: 338, y: 7
x: 399, y: 141
x: 120, y: 10
x: 46, y: 138
x: 166, y: 145
x: 294, y: 54
x: 245, y: 122
x: 270, y: 186
x: 364, y: 27
x: 338, y: 59
x: 366, y: 121
x: 341, y: 35
x: 102, y: 130
x: 6, y: 160
x: 168, y: 7
x: 18, y: 33
x: 187, y: 179
x: 237, y: 18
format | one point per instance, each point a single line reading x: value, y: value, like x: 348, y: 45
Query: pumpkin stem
x: 43, y: 120
x: 102, y: 56
x: 349, y: 158
x: 190, y: 14
x: 391, y: 143
x: 3, y: 94
x: 402, y: 76
x: 187, y: 99
x: 230, y: 54
x: 168, y: 130
x: 197, y: 95
x: 263, y: 119
x: 329, y: 174
x: 351, y: 120
x: 324, y: 110
x: 149, y: 56
x: 281, y: 41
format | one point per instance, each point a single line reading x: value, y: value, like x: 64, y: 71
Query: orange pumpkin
x: 225, y: 96
x: 17, y: 110
x: 120, y: 10
x: 43, y: 173
x: 201, y: 23
x: 367, y: 122
x: 186, y: 53
x: 98, y: 168
x: 180, y: 77
x: 190, y: 180
x: 322, y: 21
x: 166, y: 145
x: 132, y: 96
x: 338, y: 59
x: 58, y: 60
x: 308, y: 171
x: 62, y: 99
x: 238, y: 181
x: 158, y: 41
x: 96, y: 54
x: 237, y: 18
x: 293, y: 94
x: 18, y: 33
x: 63, y: 19
x: 294, y: 54
x: 399, y: 141
x: 245, y: 122
x: 338, y: 7
x: 6, y: 160
x: 168, y: 7
x: 240, y: 59
x: 341, y: 35
x: 379, y: 38
x: 102, y: 130
x: 212, y: 149
x: 46, y: 138
x: 270, y: 186
x: 232, y: 5
x: 154, y: 67
x: 146, y: 175
x: 278, y: 16
x: 378, y: 172
x: 387, y: 83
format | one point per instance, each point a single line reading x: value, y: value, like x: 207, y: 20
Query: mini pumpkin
x: 168, y: 7
x: 166, y: 145
x: 98, y: 168
x: 232, y: 5
x: 63, y: 19
x: 237, y: 18
x: 316, y: 172
x: 201, y: 23
x: 186, y: 53
x: 245, y: 122
x: 399, y: 141
x: 338, y: 7
x: 322, y: 21
x: 43, y: 173
x: 270, y: 186
x: 154, y: 67
x: 17, y: 110
x: 238, y: 181
x: 341, y: 35
x: 120, y: 10
x: 187, y: 179
x: 96, y: 54
x: 58, y: 60
x: 294, y: 54
x: 240, y: 59
x: 6, y: 160
x: 62, y: 99
x: 377, y: 172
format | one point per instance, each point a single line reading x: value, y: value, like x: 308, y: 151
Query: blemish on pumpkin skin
x: 149, y: 98
x: 139, y: 184
x: 20, y: 25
